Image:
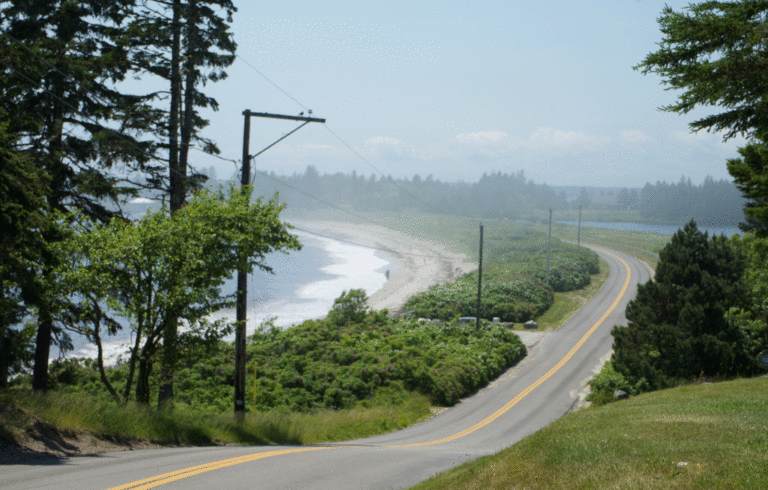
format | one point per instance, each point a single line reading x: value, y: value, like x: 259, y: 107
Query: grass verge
x: 704, y: 436
x: 22, y: 415
x: 566, y: 304
x: 643, y: 245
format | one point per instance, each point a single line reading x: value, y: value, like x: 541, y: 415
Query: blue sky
x: 457, y: 89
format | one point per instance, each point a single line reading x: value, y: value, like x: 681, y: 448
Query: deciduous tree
x: 169, y: 265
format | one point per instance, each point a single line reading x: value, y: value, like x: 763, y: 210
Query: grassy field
x: 705, y: 436
x: 643, y: 245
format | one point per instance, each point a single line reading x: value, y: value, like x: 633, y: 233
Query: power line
x: 344, y: 142
x: 387, y: 250
x: 271, y: 82
x: 92, y: 120
x: 382, y: 173
x: 316, y: 198
x: 344, y: 211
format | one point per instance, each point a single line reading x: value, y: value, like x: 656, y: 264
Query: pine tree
x: 677, y: 328
x: 162, y: 34
x: 70, y: 119
x: 750, y: 173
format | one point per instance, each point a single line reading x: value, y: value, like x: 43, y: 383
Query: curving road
x: 537, y: 391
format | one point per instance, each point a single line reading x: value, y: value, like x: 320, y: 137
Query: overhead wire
x: 265, y: 174
x: 122, y: 137
x: 355, y: 152
x: 91, y: 119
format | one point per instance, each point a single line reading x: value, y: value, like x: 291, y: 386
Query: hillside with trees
x: 498, y: 195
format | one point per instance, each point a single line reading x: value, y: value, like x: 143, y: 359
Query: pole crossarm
x: 242, y: 277
x: 283, y: 116
x: 251, y: 157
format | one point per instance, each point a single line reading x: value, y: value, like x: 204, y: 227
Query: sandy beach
x: 421, y: 263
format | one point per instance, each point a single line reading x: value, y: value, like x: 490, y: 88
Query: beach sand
x: 421, y: 263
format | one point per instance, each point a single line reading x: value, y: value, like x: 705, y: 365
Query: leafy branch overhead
x: 716, y: 53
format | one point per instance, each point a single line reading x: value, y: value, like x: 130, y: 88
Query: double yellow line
x: 196, y: 470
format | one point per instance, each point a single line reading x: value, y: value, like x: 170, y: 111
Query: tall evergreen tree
x: 677, y: 328
x: 162, y: 35
x: 22, y: 187
x: 750, y: 173
x: 72, y: 121
x: 715, y: 53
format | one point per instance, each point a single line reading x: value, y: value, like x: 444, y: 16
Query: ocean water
x: 303, y: 286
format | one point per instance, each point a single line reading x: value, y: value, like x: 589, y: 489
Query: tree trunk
x: 3, y: 358
x: 177, y: 180
x: 42, y: 347
x: 142, y: 383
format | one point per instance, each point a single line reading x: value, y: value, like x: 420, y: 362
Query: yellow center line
x: 196, y: 470
x: 498, y: 413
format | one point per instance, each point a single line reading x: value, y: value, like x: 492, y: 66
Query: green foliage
x: 514, y: 287
x: 326, y: 364
x: 603, y: 386
x: 169, y: 265
x: 322, y: 363
x: 752, y: 321
x: 713, y: 52
x: 677, y: 328
x: 750, y: 173
x: 349, y: 307
x: 515, y: 301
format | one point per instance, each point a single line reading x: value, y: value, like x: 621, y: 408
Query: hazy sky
x: 458, y: 88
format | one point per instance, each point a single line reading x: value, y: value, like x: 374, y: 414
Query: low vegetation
x: 514, y: 280
x: 73, y: 417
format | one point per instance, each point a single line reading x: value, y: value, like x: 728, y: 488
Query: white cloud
x: 557, y: 141
x: 387, y: 148
x: 634, y: 136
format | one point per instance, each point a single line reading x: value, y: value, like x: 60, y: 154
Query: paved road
x: 529, y: 396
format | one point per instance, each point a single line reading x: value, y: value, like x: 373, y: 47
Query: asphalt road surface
x: 539, y: 390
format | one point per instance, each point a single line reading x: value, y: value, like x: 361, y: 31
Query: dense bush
x: 322, y: 364
x: 604, y: 385
x: 514, y: 301
x: 677, y: 329
x: 514, y: 280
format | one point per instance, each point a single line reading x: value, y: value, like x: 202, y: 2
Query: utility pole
x: 479, y: 281
x: 578, y: 235
x: 242, y: 276
x: 549, y: 243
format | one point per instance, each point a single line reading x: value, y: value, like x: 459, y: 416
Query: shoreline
x: 420, y: 263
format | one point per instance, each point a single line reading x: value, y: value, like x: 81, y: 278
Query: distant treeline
x: 496, y: 195
x: 714, y: 203
x: 500, y: 195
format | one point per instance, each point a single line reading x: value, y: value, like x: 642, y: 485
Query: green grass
x: 567, y: 303
x: 719, y: 430
x: 643, y: 245
x: 74, y: 414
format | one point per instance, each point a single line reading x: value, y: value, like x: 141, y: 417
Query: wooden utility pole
x: 242, y: 276
x: 549, y: 243
x: 578, y: 235
x: 479, y: 281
